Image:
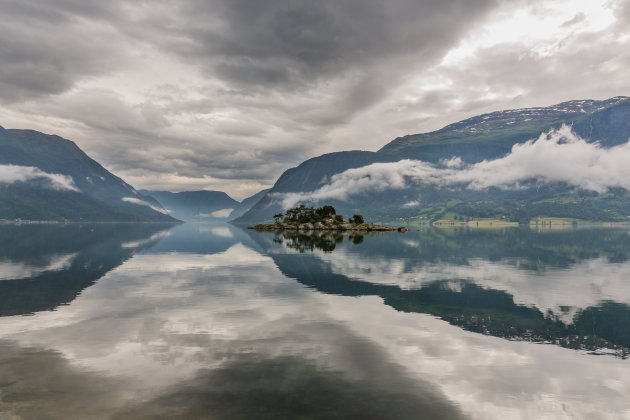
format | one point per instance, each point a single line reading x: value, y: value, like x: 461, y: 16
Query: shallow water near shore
x: 215, y: 321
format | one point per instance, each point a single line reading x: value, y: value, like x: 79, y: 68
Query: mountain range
x: 449, y: 173
x: 203, y: 205
x: 565, y: 160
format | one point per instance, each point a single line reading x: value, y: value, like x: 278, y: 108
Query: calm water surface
x: 212, y: 321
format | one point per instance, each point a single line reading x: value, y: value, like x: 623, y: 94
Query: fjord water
x: 213, y: 321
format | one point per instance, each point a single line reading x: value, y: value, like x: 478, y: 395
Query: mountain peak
x: 509, y: 117
x: 534, y: 120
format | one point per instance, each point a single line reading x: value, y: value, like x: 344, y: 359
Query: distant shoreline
x: 538, y: 223
x: 19, y: 222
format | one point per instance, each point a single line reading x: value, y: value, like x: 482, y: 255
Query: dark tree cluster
x: 303, y: 214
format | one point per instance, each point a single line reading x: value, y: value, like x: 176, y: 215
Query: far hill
x: 46, y: 177
x: 195, y: 205
x: 203, y: 205
x: 482, y: 138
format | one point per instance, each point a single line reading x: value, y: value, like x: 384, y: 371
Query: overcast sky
x: 227, y: 94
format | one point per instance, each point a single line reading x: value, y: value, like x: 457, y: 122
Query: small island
x: 322, y: 218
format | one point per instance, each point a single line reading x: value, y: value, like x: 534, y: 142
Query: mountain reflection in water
x: 45, y: 266
x: 463, y: 277
x: 212, y: 321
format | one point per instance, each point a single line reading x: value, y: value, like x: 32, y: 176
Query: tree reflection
x: 309, y: 241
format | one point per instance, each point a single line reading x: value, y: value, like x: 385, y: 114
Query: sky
x: 227, y: 94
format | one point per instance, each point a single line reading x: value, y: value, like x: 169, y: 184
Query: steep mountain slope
x: 248, y: 203
x: 482, y: 138
x: 46, y: 177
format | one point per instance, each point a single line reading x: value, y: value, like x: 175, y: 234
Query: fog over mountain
x: 226, y: 95
x: 557, y: 156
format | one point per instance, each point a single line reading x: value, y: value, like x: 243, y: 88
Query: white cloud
x: 414, y: 203
x: 139, y: 202
x: 557, y: 156
x: 455, y: 162
x: 16, y: 173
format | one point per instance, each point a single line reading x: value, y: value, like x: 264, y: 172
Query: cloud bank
x: 16, y: 173
x: 557, y: 156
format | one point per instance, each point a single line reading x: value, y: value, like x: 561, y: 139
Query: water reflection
x: 208, y: 321
x: 290, y: 388
x: 311, y: 240
x: 192, y: 335
x: 568, y: 288
x: 43, y: 267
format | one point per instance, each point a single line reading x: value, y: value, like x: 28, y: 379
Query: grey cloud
x: 298, y: 42
x: 59, y: 11
x: 302, y: 45
x: 623, y: 11
x: 580, y: 17
x: 47, y: 46
x: 579, y: 66
x: 288, y: 76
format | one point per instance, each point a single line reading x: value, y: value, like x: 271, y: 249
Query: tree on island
x: 302, y: 214
x: 326, y: 212
x: 357, y: 219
